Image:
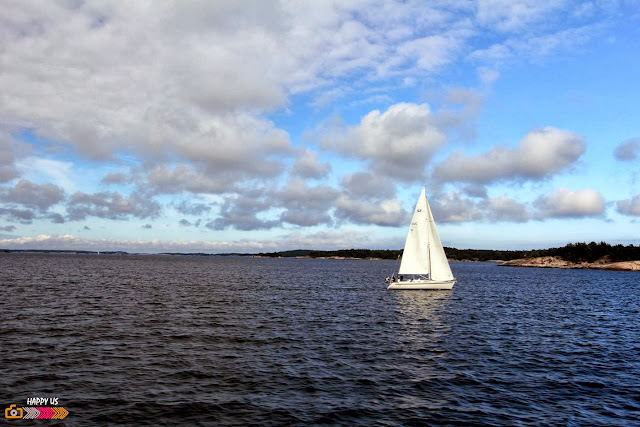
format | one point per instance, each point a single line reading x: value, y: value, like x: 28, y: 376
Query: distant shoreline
x: 557, y: 262
x: 599, y: 256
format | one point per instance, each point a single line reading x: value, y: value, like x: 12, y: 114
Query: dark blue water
x: 236, y: 341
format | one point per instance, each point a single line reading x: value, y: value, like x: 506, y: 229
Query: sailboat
x: 424, y: 264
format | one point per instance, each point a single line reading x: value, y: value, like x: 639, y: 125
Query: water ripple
x: 150, y: 340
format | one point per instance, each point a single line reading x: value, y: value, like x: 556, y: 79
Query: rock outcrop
x: 557, y: 262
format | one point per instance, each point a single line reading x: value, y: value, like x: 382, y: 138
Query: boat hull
x: 422, y: 284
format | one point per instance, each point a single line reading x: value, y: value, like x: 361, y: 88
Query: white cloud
x: 629, y: 207
x: 184, y: 92
x: 430, y: 53
x: 397, y: 143
x: 328, y: 240
x: 502, y: 208
x: 308, y: 166
x: 507, y: 15
x: 452, y: 207
x: 114, y: 178
x: 165, y: 179
x: 540, y: 154
x: 566, y: 203
x: 628, y: 150
x: 7, y: 168
x: 384, y: 213
x: 71, y: 242
x: 31, y: 195
x: 242, y: 212
x: 305, y: 205
x: 111, y: 205
x: 368, y: 186
x: 295, y: 240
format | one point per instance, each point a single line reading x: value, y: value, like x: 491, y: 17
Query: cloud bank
x: 540, y: 154
x: 235, y: 118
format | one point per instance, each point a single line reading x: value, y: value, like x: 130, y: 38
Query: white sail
x: 423, y: 252
x: 415, y: 257
x: 440, y: 269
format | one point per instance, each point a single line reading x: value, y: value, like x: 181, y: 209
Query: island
x: 601, y: 256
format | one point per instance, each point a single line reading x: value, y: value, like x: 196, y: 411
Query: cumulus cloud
x: 114, y: 178
x: 237, y: 145
x: 369, y: 198
x: 24, y: 216
x: 475, y: 190
x: 165, y: 179
x: 27, y: 201
x: 305, y: 205
x: 186, y: 223
x: 184, y: 90
x: 629, y: 207
x: 192, y: 208
x: 242, y: 213
x: 565, y: 203
x: 111, y: 205
x: 628, y: 150
x: 7, y: 167
x: 55, y: 218
x: 384, y: 213
x: 8, y: 228
x: 502, y: 208
x: 540, y: 154
x: 29, y: 194
x: 308, y: 166
x: 398, y: 143
x: 367, y: 185
x: 193, y: 79
x: 453, y: 207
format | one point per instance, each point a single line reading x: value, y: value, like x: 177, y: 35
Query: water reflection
x: 422, y: 305
x: 422, y: 335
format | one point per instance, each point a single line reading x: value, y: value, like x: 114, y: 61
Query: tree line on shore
x: 574, y: 252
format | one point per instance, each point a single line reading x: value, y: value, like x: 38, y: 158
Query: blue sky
x: 253, y: 126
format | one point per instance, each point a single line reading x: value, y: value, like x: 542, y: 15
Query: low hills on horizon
x: 572, y: 252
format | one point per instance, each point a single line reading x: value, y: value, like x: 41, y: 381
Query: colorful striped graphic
x: 44, y: 413
x: 60, y: 413
x: 30, y: 413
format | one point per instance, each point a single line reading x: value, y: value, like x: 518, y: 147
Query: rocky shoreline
x: 557, y: 262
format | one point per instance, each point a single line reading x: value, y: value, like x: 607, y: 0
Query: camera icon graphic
x: 13, y: 413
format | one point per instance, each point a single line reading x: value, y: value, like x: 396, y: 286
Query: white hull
x: 422, y: 284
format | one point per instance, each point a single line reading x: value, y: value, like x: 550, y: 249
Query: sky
x: 258, y: 126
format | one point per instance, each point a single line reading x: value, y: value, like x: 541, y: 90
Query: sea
x: 204, y: 340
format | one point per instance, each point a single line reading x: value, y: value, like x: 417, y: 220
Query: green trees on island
x: 574, y: 252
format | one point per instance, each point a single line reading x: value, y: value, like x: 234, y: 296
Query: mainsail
x: 423, y: 252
